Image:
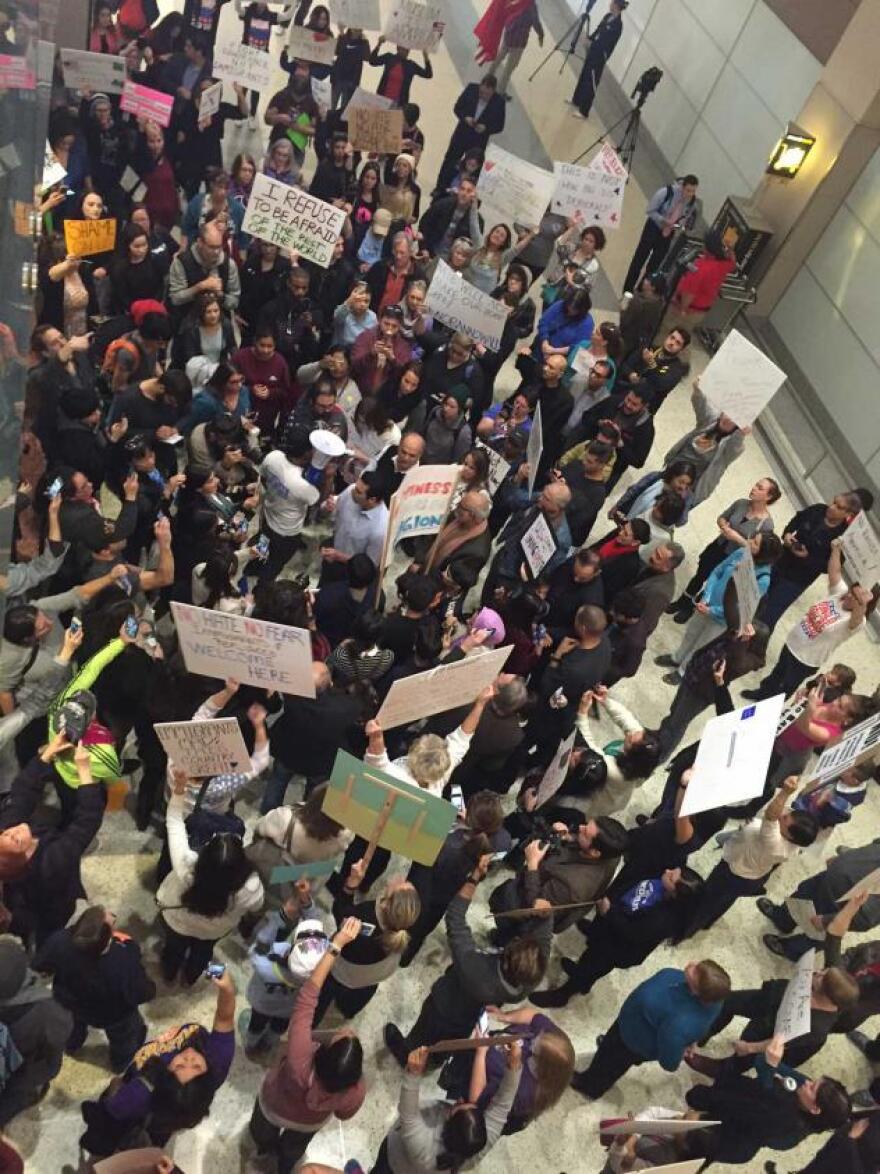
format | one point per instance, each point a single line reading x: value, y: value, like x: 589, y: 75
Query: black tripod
x: 572, y: 35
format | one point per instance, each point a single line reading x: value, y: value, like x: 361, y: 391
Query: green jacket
x: 105, y: 762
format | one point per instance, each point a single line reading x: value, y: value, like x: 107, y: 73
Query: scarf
x: 489, y: 29
x: 452, y: 536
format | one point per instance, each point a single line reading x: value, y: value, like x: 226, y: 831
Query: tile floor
x: 119, y: 872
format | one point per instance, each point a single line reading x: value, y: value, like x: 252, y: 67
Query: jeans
x: 185, y: 954
x: 511, y: 59
x: 686, y: 705
x: 612, y: 1060
x: 786, y: 675
x: 700, y: 630
x: 721, y: 891
x: 288, y: 1145
x: 649, y: 255
x: 259, y: 1024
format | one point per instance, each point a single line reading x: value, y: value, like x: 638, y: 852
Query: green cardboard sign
x: 357, y: 795
x: 289, y: 873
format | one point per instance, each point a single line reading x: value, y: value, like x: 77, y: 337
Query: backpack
x: 202, y: 826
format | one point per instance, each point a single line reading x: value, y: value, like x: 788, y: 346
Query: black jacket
x: 377, y: 278
x: 637, y: 432
x: 83, y: 448
x: 565, y: 597
x: 45, y: 388
x: 100, y: 991
x: 310, y: 731
x: 658, y: 381
x: 411, y: 69
x: 439, y: 216
x: 468, y: 138
x: 81, y: 523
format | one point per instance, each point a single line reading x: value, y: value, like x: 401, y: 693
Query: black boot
x: 556, y: 997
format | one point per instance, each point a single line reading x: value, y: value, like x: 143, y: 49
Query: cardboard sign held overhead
x: 386, y: 811
x: 861, y: 548
x: 245, y: 64
x: 554, y: 775
x: 447, y: 686
x: 517, y: 192
x: 423, y: 499
x: 594, y: 193
x: 740, y: 380
x: 378, y: 132
x: 415, y: 24
x: 205, y: 747
x: 538, y: 545
x: 292, y: 219
x: 143, y: 102
x: 857, y: 744
x: 102, y: 73
x: 209, y: 102
x: 794, y: 1014
x: 84, y: 238
x: 535, y: 448
x: 304, y: 44
x: 356, y: 14
x: 462, y: 307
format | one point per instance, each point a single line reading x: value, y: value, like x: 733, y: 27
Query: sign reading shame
x: 203, y: 748
x: 83, y: 238
x: 255, y: 652
x: 461, y: 306
x: 292, y: 219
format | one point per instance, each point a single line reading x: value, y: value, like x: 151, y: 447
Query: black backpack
x: 202, y: 826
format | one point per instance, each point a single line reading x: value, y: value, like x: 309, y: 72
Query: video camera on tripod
x: 646, y: 85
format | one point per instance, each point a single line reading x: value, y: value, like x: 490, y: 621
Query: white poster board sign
x: 209, y: 103
x: 596, y: 195
x: 447, y: 686
x: 498, y: 467
x: 607, y: 159
x: 740, y: 380
x: 415, y: 24
x: 423, y: 500
x: 517, y: 192
x: 254, y: 652
x: 367, y: 101
x: 535, y: 448
x: 356, y: 14
x: 234, y: 62
x: 870, y: 884
x: 733, y: 756
x: 304, y: 44
x: 856, y: 744
x: 205, y: 747
x: 102, y: 73
x: 554, y: 775
x: 461, y: 306
x: 539, y: 545
x: 748, y: 594
x: 861, y: 547
x: 793, y: 1016
x: 291, y: 218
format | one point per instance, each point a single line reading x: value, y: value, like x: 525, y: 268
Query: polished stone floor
x: 565, y: 1141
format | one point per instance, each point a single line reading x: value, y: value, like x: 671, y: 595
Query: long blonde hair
x: 397, y: 911
x: 554, y: 1057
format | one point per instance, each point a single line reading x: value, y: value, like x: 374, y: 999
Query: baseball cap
x: 381, y: 222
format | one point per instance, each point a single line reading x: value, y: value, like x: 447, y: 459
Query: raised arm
x: 224, y: 1012
x: 776, y: 806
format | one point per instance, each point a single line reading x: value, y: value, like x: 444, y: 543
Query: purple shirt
x: 496, y: 1065
x: 132, y: 1101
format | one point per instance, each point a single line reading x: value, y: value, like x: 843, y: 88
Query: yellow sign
x: 85, y: 237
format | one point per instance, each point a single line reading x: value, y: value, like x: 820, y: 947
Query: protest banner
x: 102, y: 73
x: 386, y: 811
x: 733, y: 756
x: 291, y: 218
x: 857, y: 744
x: 595, y: 194
x: 748, y: 593
x: 423, y: 501
x: 322, y: 92
x: 143, y: 102
x: 461, y: 306
x: 378, y: 132
x: 209, y: 103
x: 82, y: 238
x: 517, y: 192
x: 16, y: 73
x: 793, y: 1016
x: 861, y: 547
x: 447, y: 686
x: 304, y: 44
x: 498, y: 467
x: 535, y: 448
x: 538, y: 545
x: 554, y: 775
x: 740, y: 380
x: 234, y: 62
x: 356, y: 14
x: 316, y: 870
x: 415, y: 24
x: 210, y: 747
x: 254, y: 652
x: 530, y: 911
x: 662, y: 1127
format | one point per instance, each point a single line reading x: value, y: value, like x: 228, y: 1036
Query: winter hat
x: 310, y: 943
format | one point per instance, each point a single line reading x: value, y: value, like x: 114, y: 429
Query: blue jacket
x: 661, y: 1018
x: 561, y: 331
x: 716, y: 583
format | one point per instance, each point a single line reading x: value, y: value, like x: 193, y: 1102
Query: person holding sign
x: 67, y: 291
x: 398, y: 71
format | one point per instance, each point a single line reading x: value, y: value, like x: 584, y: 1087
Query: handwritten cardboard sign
x: 517, y: 192
x: 203, y: 748
x: 291, y: 218
x: 415, y: 24
x: 143, y: 102
x: 16, y: 73
x: 255, y: 652
x: 461, y: 306
x: 857, y: 744
x: 245, y: 64
x: 305, y: 44
x: 356, y: 14
x: 535, y: 448
x: 102, y: 73
x: 861, y: 547
x: 83, y: 238
x: 498, y: 467
x: 423, y: 501
x: 378, y: 132
x: 539, y: 545
x: 748, y: 593
x: 209, y: 102
x: 447, y: 686
x: 740, y: 380
x: 554, y: 775
x: 793, y: 1016
x: 596, y: 195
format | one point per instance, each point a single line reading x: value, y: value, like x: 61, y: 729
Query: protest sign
x: 202, y: 748
x: 447, y: 686
x: 322, y: 92
x: 748, y: 594
x: 607, y: 159
x: 539, y: 545
x: 317, y: 870
x: 254, y: 652
x: 862, y: 550
x: 102, y: 73
x: 16, y: 73
x: 793, y: 1016
x: 534, y: 448
x: 662, y: 1127
x: 291, y: 218
x: 740, y: 380
x: 733, y: 756
x: 209, y: 103
x: 554, y: 775
x: 517, y: 192
x: 369, y: 101
x: 595, y: 194
x: 856, y: 745
x: 234, y: 62
x: 386, y: 811
x: 143, y: 102
x: 415, y: 24
x: 356, y: 14
x: 304, y: 44
x: 461, y: 306
x: 82, y: 238
x: 474, y: 1043
x: 378, y: 132
x: 498, y: 467
x: 423, y: 501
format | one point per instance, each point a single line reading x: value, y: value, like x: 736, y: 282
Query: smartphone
x: 367, y: 929
x: 215, y: 970
x: 75, y: 626
x: 261, y: 546
x: 124, y: 581
x: 55, y: 488
x: 132, y: 627
x: 456, y: 798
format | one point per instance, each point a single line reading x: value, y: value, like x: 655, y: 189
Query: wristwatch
x: 474, y: 880
x: 334, y: 950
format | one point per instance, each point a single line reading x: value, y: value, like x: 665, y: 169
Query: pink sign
x: 146, y: 103
x: 16, y: 73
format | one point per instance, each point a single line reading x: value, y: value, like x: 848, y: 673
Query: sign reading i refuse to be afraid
x: 292, y: 219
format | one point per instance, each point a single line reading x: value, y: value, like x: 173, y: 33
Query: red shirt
x: 614, y: 548
x: 257, y: 373
x: 393, y: 289
x: 393, y: 82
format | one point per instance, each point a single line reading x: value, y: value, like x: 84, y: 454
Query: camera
x: 646, y: 85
